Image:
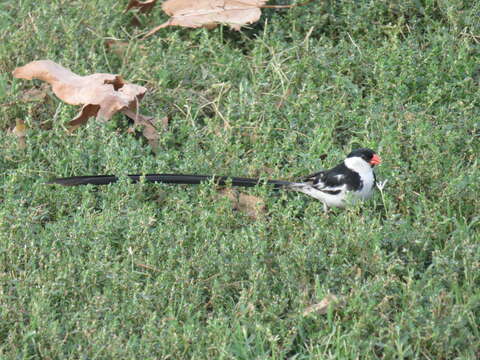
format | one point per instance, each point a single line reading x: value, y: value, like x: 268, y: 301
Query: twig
x: 354, y: 44
x: 148, y: 267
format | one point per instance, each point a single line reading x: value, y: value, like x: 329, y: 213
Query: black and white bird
x: 348, y: 182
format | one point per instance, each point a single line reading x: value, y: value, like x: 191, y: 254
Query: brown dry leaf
x: 20, y: 131
x: 322, y: 307
x: 142, y: 6
x: 102, y: 95
x: 251, y: 205
x: 210, y: 13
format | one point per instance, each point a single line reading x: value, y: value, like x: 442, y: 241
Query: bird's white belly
x: 367, y: 189
x: 330, y: 200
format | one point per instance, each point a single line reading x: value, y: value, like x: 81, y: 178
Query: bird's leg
x: 325, y: 208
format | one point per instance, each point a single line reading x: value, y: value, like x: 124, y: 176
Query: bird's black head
x: 366, y: 154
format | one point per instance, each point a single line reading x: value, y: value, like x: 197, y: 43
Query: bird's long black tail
x: 170, y: 179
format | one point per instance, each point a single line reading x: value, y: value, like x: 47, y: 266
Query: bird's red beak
x: 375, y: 160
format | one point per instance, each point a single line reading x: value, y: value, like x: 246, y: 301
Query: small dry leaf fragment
x: 165, y: 122
x: 261, y: 171
x: 250, y: 205
x: 135, y: 22
x: 142, y: 6
x: 121, y: 48
x: 284, y: 98
x: 102, y: 95
x: 35, y: 94
x: 20, y: 131
x: 148, y: 124
x: 210, y: 13
x: 330, y: 300
x: 117, y: 47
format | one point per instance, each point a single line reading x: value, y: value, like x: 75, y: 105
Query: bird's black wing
x: 312, y: 177
x: 335, y: 180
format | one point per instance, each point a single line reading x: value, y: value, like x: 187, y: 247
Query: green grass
x: 147, y: 272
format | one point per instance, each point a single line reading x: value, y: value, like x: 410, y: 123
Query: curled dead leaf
x: 210, y: 13
x: 253, y: 206
x: 322, y: 307
x: 102, y: 95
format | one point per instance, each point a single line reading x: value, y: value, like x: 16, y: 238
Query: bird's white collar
x: 358, y: 165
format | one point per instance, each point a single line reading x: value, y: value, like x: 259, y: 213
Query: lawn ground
x: 151, y: 271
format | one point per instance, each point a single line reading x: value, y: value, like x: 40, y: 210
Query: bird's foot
x: 381, y: 184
